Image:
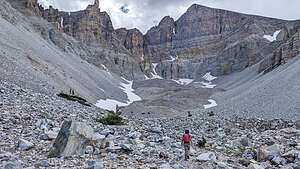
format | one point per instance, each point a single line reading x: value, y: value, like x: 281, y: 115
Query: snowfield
x: 110, y: 104
x: 127, y: 88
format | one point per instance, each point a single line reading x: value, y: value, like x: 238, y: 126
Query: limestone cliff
x: 158, y: 40
x: 202, y: 40
x: 207, y: 39
x: 287, y: 49
x: 94, y: 30
x: 133, y: 40
x: 88, y: 26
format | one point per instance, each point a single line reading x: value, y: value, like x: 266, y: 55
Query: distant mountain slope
x: 205, y: 40
x: 202, y: 40
x: 32, y: 57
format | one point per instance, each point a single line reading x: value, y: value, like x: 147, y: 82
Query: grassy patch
x: 74, y: 98
x: 113, y: 118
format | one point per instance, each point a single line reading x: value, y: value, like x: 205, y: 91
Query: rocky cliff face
x: 202, y: 40
x: 205, y: 40
x: 33, y: 4
x: 287, y: 49
x: 88, y: 26
x: 208, y: 40
x: 94, y: 31
x: 158, y: 40
x: 133, y: 40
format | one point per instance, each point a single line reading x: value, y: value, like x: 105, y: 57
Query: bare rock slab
x: 72, y: 139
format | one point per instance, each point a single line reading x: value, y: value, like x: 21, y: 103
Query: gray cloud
x: 144, y: 13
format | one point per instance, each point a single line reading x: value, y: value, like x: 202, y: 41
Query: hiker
x: 187, y: 143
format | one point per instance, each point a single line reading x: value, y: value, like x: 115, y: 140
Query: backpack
x: 186, y: 138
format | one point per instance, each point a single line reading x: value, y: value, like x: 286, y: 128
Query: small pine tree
x: 113, y: 118
x: 201, y: 143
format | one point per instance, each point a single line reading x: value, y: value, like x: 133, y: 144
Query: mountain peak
x: 197, y: 7
x: 166, y: 20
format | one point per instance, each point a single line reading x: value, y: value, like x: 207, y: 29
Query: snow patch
x: 213, y: 103
x: 146, y: 77
x: 174, y: 31
x: 127, y: 88
x: 105, y: 68
x: 110, y: 104
x: 207, y: 85
x: 173, y: 59
x: 209, y: 77
x: 154, y: 74
x: 62, y: 23
x: 184, y: 81
x: 272, y: 38
x: 101, y: 89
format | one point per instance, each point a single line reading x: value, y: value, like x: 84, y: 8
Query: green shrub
x: 51, y: 155
x: 211, y: 114
x: 113, y: 118
x: 74, y: 99
x: 201, y: 143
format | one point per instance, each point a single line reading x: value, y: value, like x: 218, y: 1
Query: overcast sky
x: 143, y: 14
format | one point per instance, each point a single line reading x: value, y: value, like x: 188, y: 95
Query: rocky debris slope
x: 271, y: 95
x: 30, y: 123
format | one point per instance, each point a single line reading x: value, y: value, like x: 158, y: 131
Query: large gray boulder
x: 95, y: 165
x: 24, y: 145
x: 255, y: 166
x: 72, y: 139
x: 298, y: 124
x: 264, y: 152
x: 209, y: 156
x: 12, y: 165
